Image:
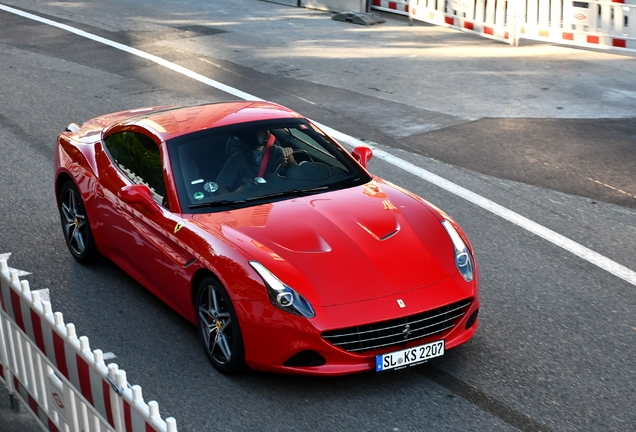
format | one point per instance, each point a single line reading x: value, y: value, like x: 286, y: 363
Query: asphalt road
x: 556, y: 344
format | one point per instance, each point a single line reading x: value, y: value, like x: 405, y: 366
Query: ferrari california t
x: 252, y: 223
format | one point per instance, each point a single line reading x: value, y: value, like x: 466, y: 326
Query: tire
x: 75, y: 224
x: 218, y: 327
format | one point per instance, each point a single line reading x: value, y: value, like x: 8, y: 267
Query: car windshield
x: 254, y: 163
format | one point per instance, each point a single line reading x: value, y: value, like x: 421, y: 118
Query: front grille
x: 399, y: 331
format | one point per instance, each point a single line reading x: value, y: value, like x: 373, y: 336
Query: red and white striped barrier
x: 400, y: 7
x: 609, y: 24
x: 55, y: 375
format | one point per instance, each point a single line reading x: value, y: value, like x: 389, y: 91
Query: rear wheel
x: 75, y: 225
x: 218, y: 327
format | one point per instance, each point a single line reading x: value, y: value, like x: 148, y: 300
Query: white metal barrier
x: 592, y: 23
x: 54, y: 374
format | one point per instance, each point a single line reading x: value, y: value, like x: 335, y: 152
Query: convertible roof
x: 171, y: 122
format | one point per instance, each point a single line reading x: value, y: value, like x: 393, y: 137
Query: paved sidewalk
x: 447, y: 72
x: 453, y: 75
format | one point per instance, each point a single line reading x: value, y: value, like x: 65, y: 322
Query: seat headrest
x: 235, y: 145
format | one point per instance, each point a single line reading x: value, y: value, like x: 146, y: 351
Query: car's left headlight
x: 463, y: 258
x: 283, y: 296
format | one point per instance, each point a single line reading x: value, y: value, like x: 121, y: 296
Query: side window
x: 138, y: 157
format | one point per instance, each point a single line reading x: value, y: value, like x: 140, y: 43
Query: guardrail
x: 609, y: 24
x: 54, y: 374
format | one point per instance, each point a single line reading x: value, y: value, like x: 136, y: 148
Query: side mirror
x: 362, y: 154
x: 73, y: 127
x: 138, y: 194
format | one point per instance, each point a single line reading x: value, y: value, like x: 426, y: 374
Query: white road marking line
x: 569, y: 245
x: 134, y: 51
x: 5, y: 256
x: 522, y: 221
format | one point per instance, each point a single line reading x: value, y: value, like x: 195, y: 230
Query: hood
x: 344, y: 246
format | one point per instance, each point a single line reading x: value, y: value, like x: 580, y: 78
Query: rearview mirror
x: 362, y: 154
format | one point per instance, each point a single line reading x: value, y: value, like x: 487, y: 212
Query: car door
x: 135, y: 188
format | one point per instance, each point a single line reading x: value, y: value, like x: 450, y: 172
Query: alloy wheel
x: 215, y: 324
x: 74, y: 221
x: 75, y: 224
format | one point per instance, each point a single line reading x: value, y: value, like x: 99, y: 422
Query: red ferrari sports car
x: 274, y: 240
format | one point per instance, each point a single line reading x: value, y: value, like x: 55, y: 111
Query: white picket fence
x: 590, y: 23
x: 54, y: 374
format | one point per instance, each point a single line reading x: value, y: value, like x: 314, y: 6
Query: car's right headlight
x: 283, y: 296
x: 463, y: 258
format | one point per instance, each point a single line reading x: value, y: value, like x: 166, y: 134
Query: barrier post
x: 55, y: 376
x: 511, y: 21
x: 6, y: 375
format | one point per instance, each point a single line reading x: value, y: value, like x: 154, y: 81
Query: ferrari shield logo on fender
x: 178, y: 226
x: 401, y: 303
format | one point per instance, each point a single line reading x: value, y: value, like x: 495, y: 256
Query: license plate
x: 409, y: 356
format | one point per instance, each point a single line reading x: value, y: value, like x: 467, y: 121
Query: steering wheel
x: 300, y: 156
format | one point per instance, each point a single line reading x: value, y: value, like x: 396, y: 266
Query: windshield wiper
x: 292, y: 192
x: 222, y: 203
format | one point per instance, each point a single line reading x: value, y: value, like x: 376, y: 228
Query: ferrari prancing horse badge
x: 178, y: 226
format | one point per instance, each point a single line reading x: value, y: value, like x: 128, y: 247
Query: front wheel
x: 218, y: 327
x: 75, y: 225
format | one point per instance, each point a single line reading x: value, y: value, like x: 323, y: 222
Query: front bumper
x: 277, y: 341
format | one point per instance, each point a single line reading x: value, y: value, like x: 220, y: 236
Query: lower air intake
x: 305, y: 359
